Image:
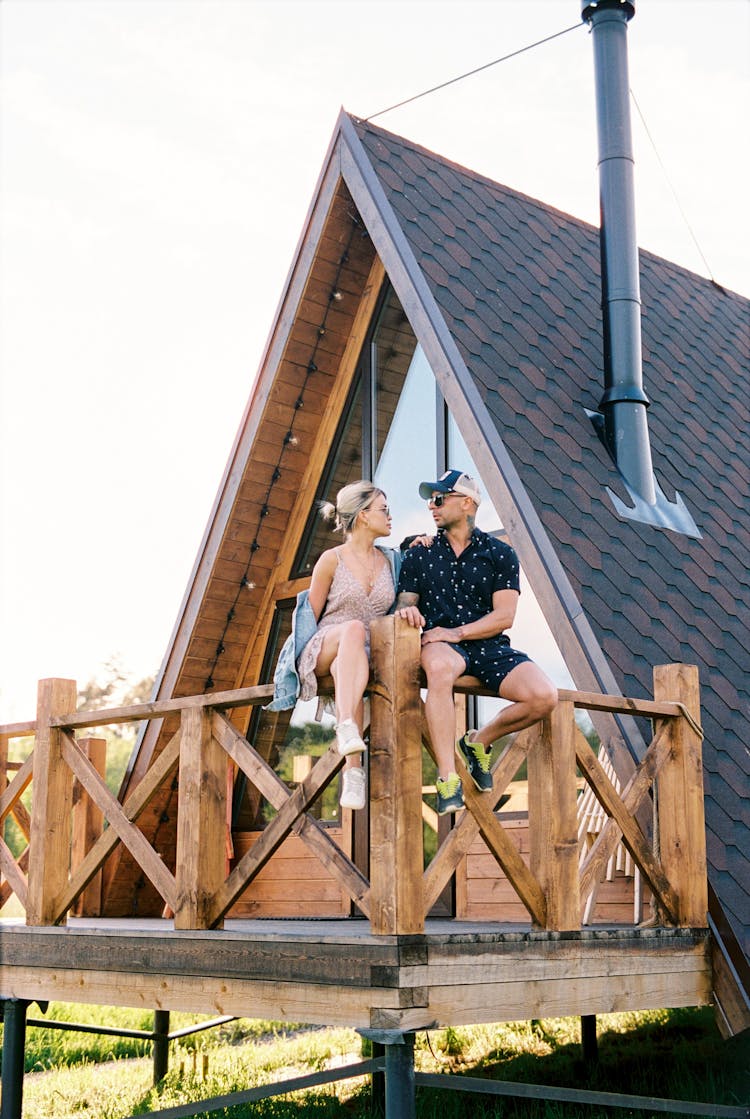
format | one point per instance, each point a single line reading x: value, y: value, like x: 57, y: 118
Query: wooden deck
x: 337, y: 972
x: 397, y: 967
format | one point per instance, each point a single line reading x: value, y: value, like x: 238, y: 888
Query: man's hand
x: 442, y: 633
x: 411, y: 615
x: 406, y: 608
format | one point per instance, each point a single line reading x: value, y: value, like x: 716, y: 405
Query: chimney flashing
x: 659, y: 511
x: 663, y: 513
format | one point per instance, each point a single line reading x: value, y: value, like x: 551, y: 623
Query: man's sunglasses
x: 438, y: 498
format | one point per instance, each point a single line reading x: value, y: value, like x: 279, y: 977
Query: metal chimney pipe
x: 624, y: 402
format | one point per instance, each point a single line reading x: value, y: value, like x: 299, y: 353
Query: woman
x: 351, y: 584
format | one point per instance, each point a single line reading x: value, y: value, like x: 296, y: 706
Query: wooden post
x: 201, y: 820
x: 681, y: 823
x: 52, y: 803
x: 3, y: 762
x: 397, y: 904
x: 88, y: 824
x: 553, y: 823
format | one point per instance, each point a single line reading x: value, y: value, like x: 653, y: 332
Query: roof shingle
x: 518, y: 285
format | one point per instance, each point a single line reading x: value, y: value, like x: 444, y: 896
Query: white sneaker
x: 348, y: 738
x: 353, y: 787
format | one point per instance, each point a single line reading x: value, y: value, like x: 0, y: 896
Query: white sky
x: 157, y: 160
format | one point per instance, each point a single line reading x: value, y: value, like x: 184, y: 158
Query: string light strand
x: 290, y: 439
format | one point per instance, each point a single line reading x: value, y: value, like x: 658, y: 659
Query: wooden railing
x: 52, y: 874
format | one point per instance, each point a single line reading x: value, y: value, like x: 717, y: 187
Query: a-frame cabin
x: 433, y: 317
x: 430, y: 311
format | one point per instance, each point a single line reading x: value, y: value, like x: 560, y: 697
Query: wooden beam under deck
x: 338, y: 973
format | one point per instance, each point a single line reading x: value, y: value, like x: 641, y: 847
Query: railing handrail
x: 18, y: 730
x: 250, y: 696
x: 590, y: 701
x: 400, y: 891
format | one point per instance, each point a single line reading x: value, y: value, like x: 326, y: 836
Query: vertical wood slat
x: 460, y: 889
x: 201, y: 820
x: 553, y: 822
x: 3, y: 762
x: 395, y: 780
x: 681, y: 821
x: 52, y: 803
x: 88, y: 824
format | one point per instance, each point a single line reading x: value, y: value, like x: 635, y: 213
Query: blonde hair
x: 350, y: 501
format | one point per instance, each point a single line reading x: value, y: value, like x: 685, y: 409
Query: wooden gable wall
x: 257, y: 524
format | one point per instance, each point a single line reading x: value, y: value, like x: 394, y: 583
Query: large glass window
x: 530, y: 631
x: 396, y: 430
x: 344, y: 466
x: 458, y: 458
x: 389, y: 433
x: 408, y: 453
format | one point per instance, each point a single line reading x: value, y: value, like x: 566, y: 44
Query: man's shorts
x: 491, y: 661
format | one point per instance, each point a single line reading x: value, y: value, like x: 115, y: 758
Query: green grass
x: 668, y: 1054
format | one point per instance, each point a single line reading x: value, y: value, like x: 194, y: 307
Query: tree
x: 114, y: 686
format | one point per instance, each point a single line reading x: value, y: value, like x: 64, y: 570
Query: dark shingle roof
x: 518, y: 285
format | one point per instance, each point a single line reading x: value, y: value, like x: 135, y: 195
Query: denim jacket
x: 286, y: 681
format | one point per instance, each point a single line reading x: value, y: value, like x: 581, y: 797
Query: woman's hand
x: 425, y: 541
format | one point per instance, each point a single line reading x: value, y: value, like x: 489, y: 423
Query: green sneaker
x: 450, y: 795
x: 477, y: 760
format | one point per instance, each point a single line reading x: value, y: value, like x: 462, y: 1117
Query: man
x: 463, y: 591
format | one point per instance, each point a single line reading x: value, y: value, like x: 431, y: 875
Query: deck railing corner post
x: 681, y: 820
x: 51, y: 806
x: 201, y: 820
x: 553, y: 824
x: 395, y: 779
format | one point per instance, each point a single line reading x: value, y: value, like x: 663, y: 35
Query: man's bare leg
x: 442, y: 666
x: 532, y: 695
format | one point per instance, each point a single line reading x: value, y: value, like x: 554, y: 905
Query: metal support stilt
x: 395, y: 1099
x: 400, y: 1100
x: 377, y: 1094
x: 161, y: 1045
x: 589, y: 1042
x: 14, y: 1042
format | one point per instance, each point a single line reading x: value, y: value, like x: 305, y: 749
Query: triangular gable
x: 502, y: 294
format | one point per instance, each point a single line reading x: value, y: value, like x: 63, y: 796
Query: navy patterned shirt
x: 455, y: 590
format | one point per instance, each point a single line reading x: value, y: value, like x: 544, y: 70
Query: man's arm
x: 500, y: 618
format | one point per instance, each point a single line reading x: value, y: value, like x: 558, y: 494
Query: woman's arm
x: 320, y: 583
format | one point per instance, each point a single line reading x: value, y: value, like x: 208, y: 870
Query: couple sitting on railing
x: 460, y: 587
